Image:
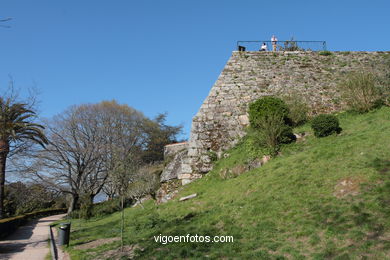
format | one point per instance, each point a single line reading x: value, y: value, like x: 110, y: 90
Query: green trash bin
x: 64, y: 234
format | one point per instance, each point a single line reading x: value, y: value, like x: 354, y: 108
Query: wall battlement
x: 247, y: 76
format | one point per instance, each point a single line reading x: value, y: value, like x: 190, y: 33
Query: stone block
x: 244, y: 120
x: 172, y: 149
x: 186, y: 168
x: 188, y: 197
x: 184, y: 176
x: 192, y: 152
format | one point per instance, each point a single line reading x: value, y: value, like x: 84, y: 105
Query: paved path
x: 29, y: 242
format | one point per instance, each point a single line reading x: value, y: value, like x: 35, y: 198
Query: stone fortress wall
x: 247, y: 76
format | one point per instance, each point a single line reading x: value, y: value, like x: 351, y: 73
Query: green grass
x: 284, y: 210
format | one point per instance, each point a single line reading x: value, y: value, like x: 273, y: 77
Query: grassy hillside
x: 325, y: 198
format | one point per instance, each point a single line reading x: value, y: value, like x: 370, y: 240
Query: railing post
x: 53, y: 246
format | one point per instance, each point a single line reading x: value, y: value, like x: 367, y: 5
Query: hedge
x: 9, y: 225
x: 324, y: 125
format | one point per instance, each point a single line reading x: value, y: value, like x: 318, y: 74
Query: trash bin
x: 64, y: 234
x: 241, y: 48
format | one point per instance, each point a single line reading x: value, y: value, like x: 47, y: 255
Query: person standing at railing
x: 274, y: 41
x: 263, y: 47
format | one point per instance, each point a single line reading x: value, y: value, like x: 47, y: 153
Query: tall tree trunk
x: 91, y: 198
x: 4, y: 149
x: 73, y: 203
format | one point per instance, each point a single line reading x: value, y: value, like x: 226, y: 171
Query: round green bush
x: 265, y: 106
x: 324, y: 125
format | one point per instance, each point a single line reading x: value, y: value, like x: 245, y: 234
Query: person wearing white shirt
x: 274, y: 40
x: 263, y: 47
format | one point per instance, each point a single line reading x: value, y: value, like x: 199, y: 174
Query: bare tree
x: 84, y: 141
x: 72, y: 162
x: 125, y: 138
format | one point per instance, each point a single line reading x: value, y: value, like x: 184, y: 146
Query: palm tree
x: 16, y: 126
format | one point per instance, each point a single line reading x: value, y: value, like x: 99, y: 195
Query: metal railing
x: 53, y: 246
x: 282, y: 45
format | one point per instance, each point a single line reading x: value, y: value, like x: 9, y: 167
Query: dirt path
x: 29, y: 242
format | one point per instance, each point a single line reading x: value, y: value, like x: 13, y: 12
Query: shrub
x: 108, y: 207
x: 21, y: 198
x: 361, y: 92
x: 384, y: 85
x: 324, y: 125
x: 252, y: 144
x: 298, y: 109
x: 269, y: 117
x: 86, y: 207
x: 272, y: 128
x: 325, y: 53
x: 265, y: 106
x: 99, y: 209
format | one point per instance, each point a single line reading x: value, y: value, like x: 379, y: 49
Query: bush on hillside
x: 269, y: 117
x: 101, y: 209
x: 273, y: 132
x: 324, y: 125
x: 384, y: 85
x: 265, y: 106
x: 361, y: 92
x: 298, y: 109
x: 86, y: 207
x: 108, y: 207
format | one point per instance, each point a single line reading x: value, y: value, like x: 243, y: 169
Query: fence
x: 53, y: 246
x: 282, y: 45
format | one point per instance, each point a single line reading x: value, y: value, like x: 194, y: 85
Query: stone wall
x: 172, y: 149
x: 175, y: 156
x: 248, y: 76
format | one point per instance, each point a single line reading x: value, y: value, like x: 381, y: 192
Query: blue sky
x: 161, y: 56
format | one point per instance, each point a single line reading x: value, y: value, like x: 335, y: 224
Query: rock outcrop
x: 178, y: 166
